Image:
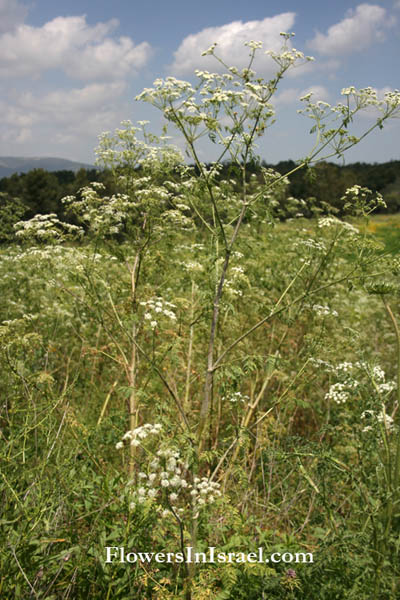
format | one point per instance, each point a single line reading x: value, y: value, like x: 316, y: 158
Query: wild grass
x: 302, y: 474
x: 180, y: 370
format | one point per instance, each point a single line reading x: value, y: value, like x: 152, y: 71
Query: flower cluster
x: 377, y: 376
x: 192, y: 266
x: 236, y: 281
x: 177, y: 218
x: 310, y: 245
x: 236, y: 397
x: 361, y: 200
x: 101, y: 214
x: 204, y: 491
x: 135, y: 436
x: 386, y: 387
x: 369, y: 97
x: 288, y: 57
x: 58, y: 272
x: 344, y: 367
x: 347, y: 372
x: 335, y: 222
x: 112, y: 214
x: 321, y: 364
x: 380, y: 417
x: 166, y: 480
x: 46, y: 228
x: 131, y: 147
x: 323, y: 311
x: 231, y: 108
x: 156, y: 308
x: 331, y: 123
x: 382, y: 386
x: 340, y: 392
x: 138, y: 160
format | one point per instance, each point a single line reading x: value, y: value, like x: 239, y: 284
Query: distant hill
x: 23, y: 164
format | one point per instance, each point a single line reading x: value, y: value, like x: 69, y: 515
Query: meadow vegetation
x: 183, y: 365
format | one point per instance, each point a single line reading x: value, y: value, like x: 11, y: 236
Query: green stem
x: 397, y: 333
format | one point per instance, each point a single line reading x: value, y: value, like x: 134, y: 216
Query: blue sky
x: 71, y: 70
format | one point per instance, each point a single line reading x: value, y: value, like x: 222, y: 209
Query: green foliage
x: 196, y: 373
x: 11, y: 211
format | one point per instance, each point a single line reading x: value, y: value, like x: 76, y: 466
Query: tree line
x: 24, y: 195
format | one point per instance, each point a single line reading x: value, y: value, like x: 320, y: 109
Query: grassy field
x: 300, y: 447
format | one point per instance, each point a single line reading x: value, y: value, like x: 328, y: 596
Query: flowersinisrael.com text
x: 119, y: 554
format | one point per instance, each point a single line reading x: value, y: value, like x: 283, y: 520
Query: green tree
x: 41, y: 192
x: 12, y: 210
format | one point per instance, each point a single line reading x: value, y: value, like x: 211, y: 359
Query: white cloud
x: 293, y: 95
x: 110, y: 59
x: 230, y: 39
x: 61, y: 105
x: 12, y: 13
x: 288, y: 96
x: 358, y: 30
x: 83, y: 51
x: 62, y: 116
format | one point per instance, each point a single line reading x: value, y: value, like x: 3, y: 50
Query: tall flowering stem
x: 233, y: 110
x: 243, y: 101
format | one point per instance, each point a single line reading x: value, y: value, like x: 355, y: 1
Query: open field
x: 299, y: 446
x: 201, y: 387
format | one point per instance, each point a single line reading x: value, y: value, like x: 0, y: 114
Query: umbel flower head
x: 46, y: 228
x: 375, y: 418
x: 166, y: 479
x: 135, y: 436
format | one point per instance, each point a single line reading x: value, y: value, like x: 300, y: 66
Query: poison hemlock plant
x: 196, y: 357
